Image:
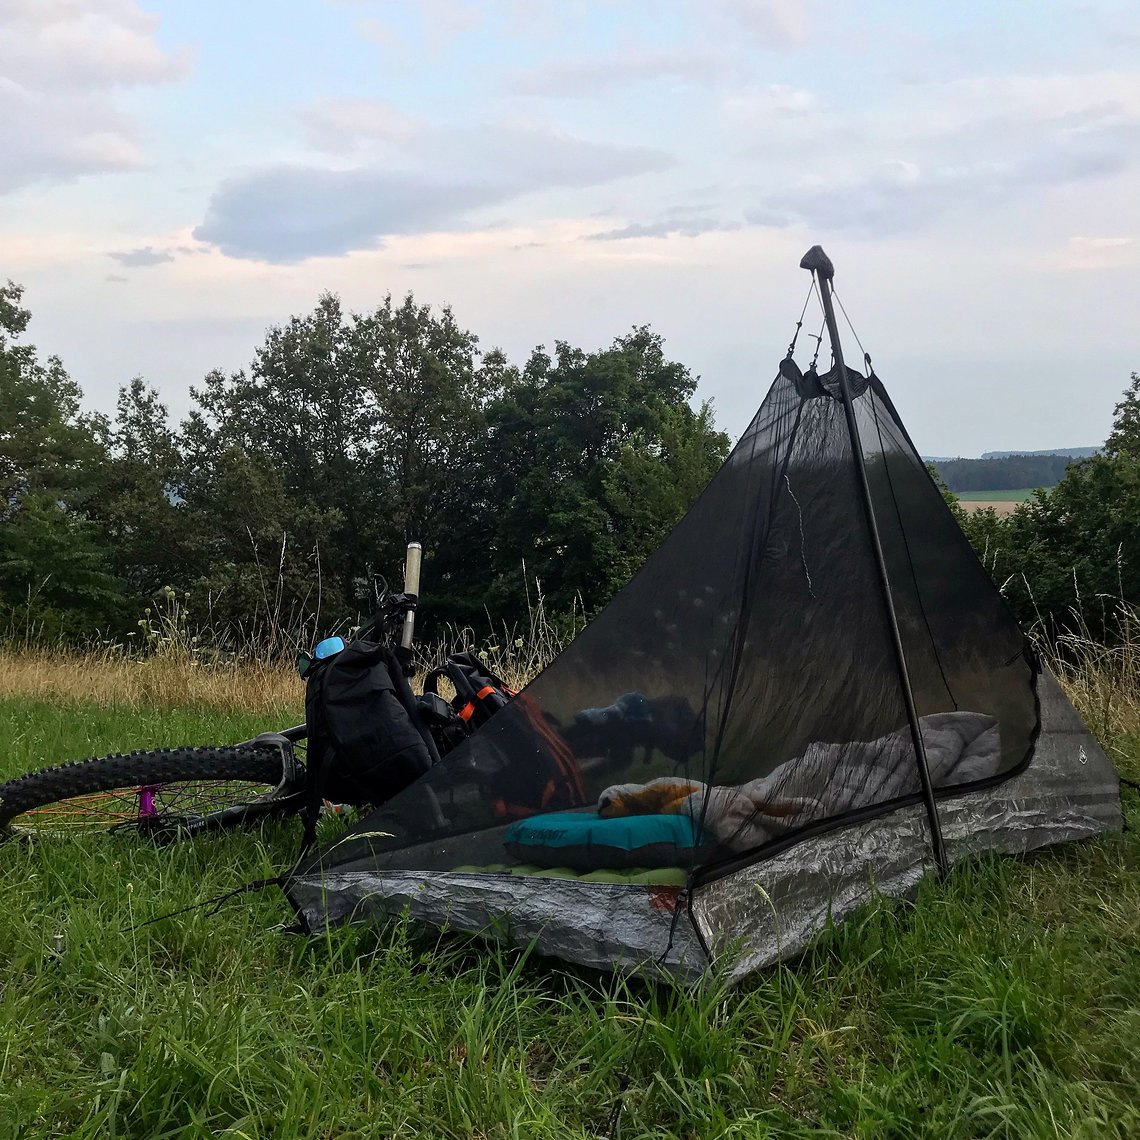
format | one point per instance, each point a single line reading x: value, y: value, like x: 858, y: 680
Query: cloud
x: 339, y: 126
x: 430, y: 179
x: 446, y: 19
x: 137, y: 258
x: 382, y: 35
x: 1098, y: 252
x: 439, y: 22
x: 955, y: 148
x: 589, y: 78
x: 666, y: 227
x: 286, y: 214
x: 900, y: 196
x: 770, y: 100
x: 61, y: 64
x: 772, y: 23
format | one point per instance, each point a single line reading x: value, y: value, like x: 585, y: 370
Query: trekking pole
x: 819, y: 264
x: 412, y: 563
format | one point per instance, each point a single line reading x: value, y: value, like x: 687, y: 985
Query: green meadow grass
x: 1003, y: 1003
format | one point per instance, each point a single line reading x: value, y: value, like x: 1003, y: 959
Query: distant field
x: 995, y: 496
x: 1004, y: 502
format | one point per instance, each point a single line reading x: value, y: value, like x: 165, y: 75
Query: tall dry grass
x: 175, y: 669
x: 1103, y: 679
x: 173, y: 666
x: 110, y: 677
x: 515, y: 654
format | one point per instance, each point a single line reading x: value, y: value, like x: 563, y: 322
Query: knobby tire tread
x: 255, y: 763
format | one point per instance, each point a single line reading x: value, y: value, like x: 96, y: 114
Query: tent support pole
x: 818, y: 263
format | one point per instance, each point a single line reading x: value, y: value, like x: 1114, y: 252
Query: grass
x: 1003, y: 1003
x: 108, y: 679
x: 1021, y: 496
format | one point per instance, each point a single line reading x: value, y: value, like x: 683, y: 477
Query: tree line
x: 293, y: 482
x: 1010, y: 473
x: 1068, y: 560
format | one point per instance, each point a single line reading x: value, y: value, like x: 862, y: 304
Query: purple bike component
x: 147, y: 807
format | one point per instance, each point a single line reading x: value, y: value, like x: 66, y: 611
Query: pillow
x: 583, y: 841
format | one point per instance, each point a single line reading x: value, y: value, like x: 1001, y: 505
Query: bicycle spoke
x: 116, y: 809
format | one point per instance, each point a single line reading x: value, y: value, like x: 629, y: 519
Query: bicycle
x: 174, y: 792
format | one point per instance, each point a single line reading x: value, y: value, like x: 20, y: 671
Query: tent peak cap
x: 816, y: 261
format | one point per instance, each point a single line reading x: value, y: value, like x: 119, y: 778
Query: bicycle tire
x: 252, y: 764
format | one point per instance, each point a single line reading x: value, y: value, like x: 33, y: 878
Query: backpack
x: 549, y: 781
x: 366, y: 741
x: 479, y: 694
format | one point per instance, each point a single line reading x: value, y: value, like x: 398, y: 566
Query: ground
x: 1004, y: 502
x: 1004, y: 1002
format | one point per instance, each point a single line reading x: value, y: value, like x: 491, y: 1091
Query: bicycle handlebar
x: 412, y: 563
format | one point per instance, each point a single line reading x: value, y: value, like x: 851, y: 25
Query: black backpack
x: 367, y: 740
x: 479, y: 694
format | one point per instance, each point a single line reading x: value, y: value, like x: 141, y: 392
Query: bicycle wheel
x: 143, y: 790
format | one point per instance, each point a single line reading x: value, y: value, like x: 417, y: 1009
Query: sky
x: 178, y: 177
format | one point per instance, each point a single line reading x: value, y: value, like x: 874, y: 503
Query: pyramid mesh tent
x: 810, y: 691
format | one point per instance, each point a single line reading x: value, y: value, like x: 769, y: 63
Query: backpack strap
x: 320, y: 755
x: 431, y: 681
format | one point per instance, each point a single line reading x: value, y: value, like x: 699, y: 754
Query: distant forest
x: 1069, y: 452
x: 1012, y: 473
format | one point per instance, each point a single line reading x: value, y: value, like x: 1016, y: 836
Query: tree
x: 54, y: 574
x: 348, y: 436
x: 1124, y: 439
x: 593, y: 457
x: 45, y: 443
x: 55, y: 580
x: 373, y: 423
x: 298, y: 421
x: 257, y: 551
x: 137, y: 501
x: 427, y: 388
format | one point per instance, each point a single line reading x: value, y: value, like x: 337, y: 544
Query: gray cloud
x: 985, y: 162
x: 968, y: 148
x: 61, y: 64
x: 137, y: 258
x: 588, y: 78
x: 289, y: 213
x: 285, y: 214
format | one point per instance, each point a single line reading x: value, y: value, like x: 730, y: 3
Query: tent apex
x: 816, y: 261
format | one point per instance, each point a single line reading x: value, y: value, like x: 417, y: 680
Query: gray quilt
x: 827, y: 780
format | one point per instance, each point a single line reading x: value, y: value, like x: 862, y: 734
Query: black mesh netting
x: 744, y: 680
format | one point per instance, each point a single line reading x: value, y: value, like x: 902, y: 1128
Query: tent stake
x: 817, y: 262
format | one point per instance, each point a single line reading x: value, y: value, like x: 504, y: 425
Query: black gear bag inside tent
x: 811, y: 691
